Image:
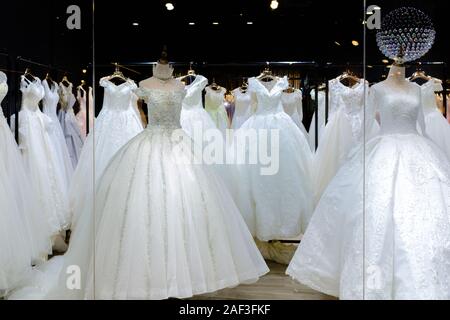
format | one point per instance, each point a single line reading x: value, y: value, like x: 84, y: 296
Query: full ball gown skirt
x: 163, y: 227
x: 279, y: 205
x: 396, y: 243
x: 117, y: 123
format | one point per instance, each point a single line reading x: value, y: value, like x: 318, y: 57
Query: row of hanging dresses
x: 81, y: 115
x: 276, y: 202
x: 293, y: 106
x: 24, y: 233
x: 437, y: 127
x: 117, y: 123
x: 69, y: 123
x: 214, y: 105
x: 45, y: 171
x: 242, y: 107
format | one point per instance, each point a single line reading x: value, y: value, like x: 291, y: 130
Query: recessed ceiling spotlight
x: 192, y: 23
x: 274, y: 4
x: 84, y: 71
x: 385, y: 61
x: 135, y: 24
x: 355, y: 43
x: 215, y: 23
x: 169, y: 6
x: 249, y: 22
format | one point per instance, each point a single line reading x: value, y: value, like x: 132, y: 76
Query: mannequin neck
x: 397, y: 72
x: 162, y: 71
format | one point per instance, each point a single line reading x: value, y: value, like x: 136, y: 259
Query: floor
x: 276, y: 285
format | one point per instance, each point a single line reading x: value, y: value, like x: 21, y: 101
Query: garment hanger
x: 189, y: 77
x: 290, y: 89
x: 420, y: 74
x: 266, y: 75
x: 214, y: 85
x: 65, y: 81
x: 322, y: 87
x: 350, y: 76
x: 50, y: 81
x: 117, y: 74
x: 28, y: 75
x: 244, y: 86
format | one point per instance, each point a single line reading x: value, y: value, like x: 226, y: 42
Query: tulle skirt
x: 278, y: 204
x: 438, y: 130
x: 395, y: 243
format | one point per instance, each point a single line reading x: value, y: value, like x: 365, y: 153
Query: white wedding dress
x: 44, y: 169
x: 50, y: 104
x: 320, y: 120
x: 215, y: 106
x: 343, y: 132
x: 192, y: 114
x: 117, y: 123
x: 437, y: 127
x: 276, y: 206
x: 69, y: 123
x: 24, y: 235
x: 163, y: 227
x: 393, y: 240
x: 242, y: 108
x: 293, y: 106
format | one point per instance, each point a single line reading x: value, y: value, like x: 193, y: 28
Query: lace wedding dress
x: 24, y: 235
x: 242, y: 109
x: 214, y: 105
x: 117, y: 123
x: 50, y: 104
x: 382, y: 228
x: 437, y: 127
x: 292, y: 105
x: 163, y: 227
x: 69, y: 123
x: 275, y: 206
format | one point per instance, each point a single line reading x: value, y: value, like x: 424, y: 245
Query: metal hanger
x: 266, y: 75
x: 190, y: 76
x: 117, y: 74
x: 349, y: 75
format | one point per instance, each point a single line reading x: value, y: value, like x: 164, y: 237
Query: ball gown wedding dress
x: 117, y: 123
x: 242, y: 109
x: 50, y: 104
x: 69, y: 123
x: 437, y: 127
x: 163, y: 227
x: 382, y: 228
x: 214, y: 104
x: 24, y: 235
x: 293, y: 106
x: 275, y: 206
x: 44, y: 169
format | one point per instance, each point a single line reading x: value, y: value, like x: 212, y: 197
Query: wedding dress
x: 292, y: 105
x: 437, y: 127
x: 214, y: 105
x: 117, y: 123
x: 343, y: 132
x: 44, y: 170
x: 82, y: 114
x: 69, y: 123
x: 164, y: 227
x: 278, y: 205
x: 50, y: 104
x: 321, y: 120
x: 24, y: 235
x: 192, y: 114
x: 242, y: 108
x: 382, y: 228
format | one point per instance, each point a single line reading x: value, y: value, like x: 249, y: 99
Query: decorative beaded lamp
x: 406, y: 34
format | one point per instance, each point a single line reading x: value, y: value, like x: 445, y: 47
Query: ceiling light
x: 337, y: 43
x: 169, y: 6
x: 135, y: 24
x: 192, y: 23
x: 215, y: 23
x: 249, y: 22
x: 274, y: 5
x: 355, y: 43
x: 385, y: 61
x: 84, y: 71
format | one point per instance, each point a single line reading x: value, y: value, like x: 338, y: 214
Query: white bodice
x: 3, y: 93
x: 242, y: 102
x: 399, y: 109
x: 66, y: 96
x: 118, y: 97
x: 292, y: 103
x: 214, y: 99
x: 51, y: 98
x: 193, y: 98
x: 429, y: 102
x: 164, y: 106
x: 268, y: 94
x: 32, y: 93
